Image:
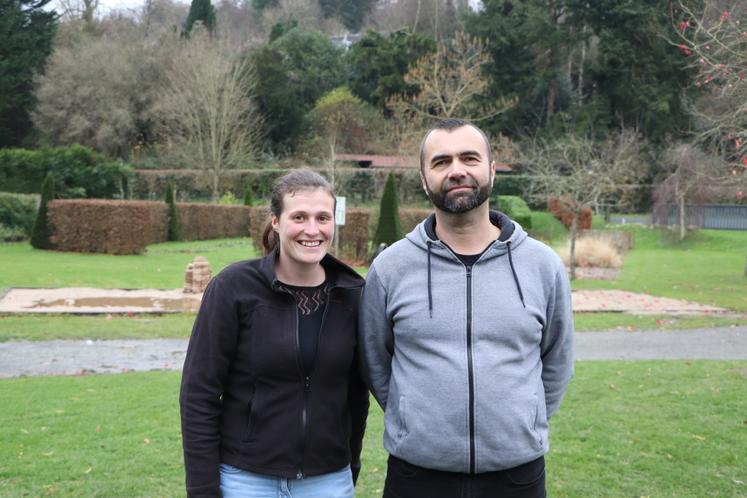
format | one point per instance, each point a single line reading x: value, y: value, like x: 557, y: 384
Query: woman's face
x: 306, y: 226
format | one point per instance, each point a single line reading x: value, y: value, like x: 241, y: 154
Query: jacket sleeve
x: 358, y: 400
x: 557, y: 342
x: 206, y: 366
x: 376, y: 338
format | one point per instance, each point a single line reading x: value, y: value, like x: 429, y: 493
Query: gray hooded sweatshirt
x: 468, y: 364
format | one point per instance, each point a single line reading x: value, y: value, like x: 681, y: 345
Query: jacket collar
x: 338, y: 273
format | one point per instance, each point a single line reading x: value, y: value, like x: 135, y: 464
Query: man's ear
x: 422, y: 182
x: 274, y: 223
x: 493, y: 167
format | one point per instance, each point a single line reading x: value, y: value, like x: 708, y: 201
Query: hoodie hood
x: 512, y: 234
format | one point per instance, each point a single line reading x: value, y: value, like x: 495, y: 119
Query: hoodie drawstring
x: 513, y: 271
x: 430, y: 296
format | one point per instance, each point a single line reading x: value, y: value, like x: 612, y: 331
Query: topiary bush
x: 389, y: 227
x: 40, y: 231
x: 172, y: 233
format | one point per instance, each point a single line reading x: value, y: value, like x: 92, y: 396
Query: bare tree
x: 451, y: 83
x: 207, y: 117
x: 98, y: 90
x: 579, y: 171
x: 714, y: 40
x: 694, y: 177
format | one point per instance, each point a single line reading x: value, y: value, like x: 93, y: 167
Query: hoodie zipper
x: 470, y: 373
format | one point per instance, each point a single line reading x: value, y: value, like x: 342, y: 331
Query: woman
x: 271, y: 399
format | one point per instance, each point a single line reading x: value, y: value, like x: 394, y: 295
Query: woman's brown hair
x: 295, y: 181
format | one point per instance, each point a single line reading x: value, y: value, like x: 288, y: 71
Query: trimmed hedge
x: 212, y: 221
x: 128, y: 227
x: 515, y: 208
x: 114, y: 227
x: 78, y: 172
x: 17, y: 211
x: 565, y: 215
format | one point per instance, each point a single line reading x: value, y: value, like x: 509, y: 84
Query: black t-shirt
x: 310, y: 302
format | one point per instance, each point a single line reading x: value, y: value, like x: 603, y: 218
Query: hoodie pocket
x: 536, y: 421
x: 402, y: 433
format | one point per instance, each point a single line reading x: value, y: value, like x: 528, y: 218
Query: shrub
x: 389, y: 228
x: 78, y: 172
x: 354, y: 235
x: 558, y: 209
x: 593, y: 252
x: 411, y: 217
x: 248, y: 198
x: 104, y: 226
x: 40, y: 231
x: 258, y: 218
x: 17, y: 213
x: 515, y: 208
x: 172, y: 232
x: 212, y: 221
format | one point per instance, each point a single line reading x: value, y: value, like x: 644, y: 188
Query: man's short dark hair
x: 451, y: 124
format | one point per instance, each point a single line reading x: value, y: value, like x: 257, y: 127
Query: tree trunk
x: 745, y: 267
x: 681, y: 206
x: 572, y: 256
x: 215, y: 194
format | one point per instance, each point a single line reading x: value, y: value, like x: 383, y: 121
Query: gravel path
x: 84, y: 357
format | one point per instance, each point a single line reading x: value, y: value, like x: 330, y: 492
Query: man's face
x: 456, y: 174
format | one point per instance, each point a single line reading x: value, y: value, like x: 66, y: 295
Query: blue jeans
x: 238, y: 483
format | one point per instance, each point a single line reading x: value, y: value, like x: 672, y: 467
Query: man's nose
x: 457, y: 169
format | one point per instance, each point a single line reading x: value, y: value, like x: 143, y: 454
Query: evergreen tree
x: 26, y: 32
x: 248, y: 197
x: 203, y: 11
x: 40, y: 230
x: 173, y: 223
x: 379, y: 64
x: 389, y: 229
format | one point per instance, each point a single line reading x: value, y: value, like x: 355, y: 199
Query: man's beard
x: 460, y: 202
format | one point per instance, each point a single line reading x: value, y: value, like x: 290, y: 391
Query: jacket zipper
x: 307, y: 385
x: 470, y: 374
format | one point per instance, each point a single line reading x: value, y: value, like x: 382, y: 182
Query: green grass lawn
x: 625, y: 429
x: 708, y: 267
x: 162, y: 266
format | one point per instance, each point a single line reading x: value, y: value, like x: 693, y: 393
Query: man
x: 466, y: 336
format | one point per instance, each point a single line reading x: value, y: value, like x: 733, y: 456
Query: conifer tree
x: 173, y: 223
x: 203, y: 11
x: 40, y: 230
x: 389, y: 229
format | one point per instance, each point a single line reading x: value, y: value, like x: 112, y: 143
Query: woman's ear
x: 274, y: 222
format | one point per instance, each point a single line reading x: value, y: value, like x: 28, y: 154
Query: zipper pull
x: 307, y: 384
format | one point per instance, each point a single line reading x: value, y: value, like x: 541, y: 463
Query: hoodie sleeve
x: 206, y: 366
x: 375, y: 338
x: 557, y: 342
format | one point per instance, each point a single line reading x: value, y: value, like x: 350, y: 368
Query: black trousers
x: 404, y: 480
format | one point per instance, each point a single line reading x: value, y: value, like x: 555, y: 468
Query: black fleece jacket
x: 245, y: 399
